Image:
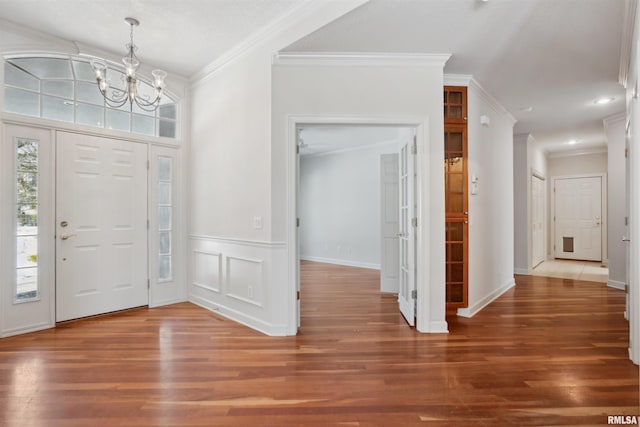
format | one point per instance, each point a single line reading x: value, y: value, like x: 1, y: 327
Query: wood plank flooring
x: 548, y: 352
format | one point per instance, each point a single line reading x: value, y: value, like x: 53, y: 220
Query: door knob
x: 66, y: 236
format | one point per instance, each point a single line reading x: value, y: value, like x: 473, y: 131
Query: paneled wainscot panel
x: 245, y: 280
x: 207, y: 269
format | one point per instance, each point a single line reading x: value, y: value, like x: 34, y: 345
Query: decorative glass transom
x: 65, y: 89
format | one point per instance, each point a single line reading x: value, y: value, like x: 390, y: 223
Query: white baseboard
x: 347, y: 263
x: 473, y: 310
x: 238, y: 317
x: 616, y: 284
x: 523, y: 271
x: 439, y: 327
x: 26, y: 329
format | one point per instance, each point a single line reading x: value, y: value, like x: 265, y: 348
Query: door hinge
x: 147, y: 224
x: 626, y: 288
x: 297, y: 222
x: 626, y: 220
x: 148, y: 284
x: 626, y: 153
x: 298, y: 295
x: 297, y: 149
x: 414, y: 221
x: 414, y: 146
x: 414, y: 294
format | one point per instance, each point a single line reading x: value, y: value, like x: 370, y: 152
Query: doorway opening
x: 355, y: 205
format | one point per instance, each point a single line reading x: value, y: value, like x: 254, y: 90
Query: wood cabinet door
x: 456, y: 196
x: 455, y: 104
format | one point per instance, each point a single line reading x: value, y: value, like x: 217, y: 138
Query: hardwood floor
x: 548, y: 352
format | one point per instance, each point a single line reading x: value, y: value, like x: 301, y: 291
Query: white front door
x: 578, y: 216
x: 389, y: 253
x: 537, y: 220
x: 407, y: 284
x: 101, y: 225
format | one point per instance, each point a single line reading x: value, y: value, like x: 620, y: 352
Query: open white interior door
x: 407, y: 283
x: 101, y: 226
x: 297, y: 192
x: 389, y: 253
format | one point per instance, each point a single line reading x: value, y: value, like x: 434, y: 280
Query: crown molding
x: 493, y: 103
x: 360, y: 59
x: 457, y: 79
x: 470, y: 82
x: 620, y: 117
x: 307, y: 8
x: 626, y: 44
x: 574, y: 153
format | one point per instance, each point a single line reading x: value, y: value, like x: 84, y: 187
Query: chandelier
x: 115, y: 97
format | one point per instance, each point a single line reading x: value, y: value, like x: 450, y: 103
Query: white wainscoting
x: 241, y: 280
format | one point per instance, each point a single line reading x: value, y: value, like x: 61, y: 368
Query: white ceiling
x: 556, y: 56
x: 179, y: 36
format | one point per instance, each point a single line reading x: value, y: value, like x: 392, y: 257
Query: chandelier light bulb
x: 158, y: 76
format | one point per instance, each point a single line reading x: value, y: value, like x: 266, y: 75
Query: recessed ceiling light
x: 526, y: 109
x: 572, y: 142
x: 603, y: 101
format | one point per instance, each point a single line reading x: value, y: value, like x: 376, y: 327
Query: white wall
x: 370, y: 87
x: 529, y: 159
x: 491, y: 210
x: 616, y: 200
x: 521, y: 204
x: 537, y: 163
x: 340, y: 206
x: 237, y: 267
x: 581, y: 164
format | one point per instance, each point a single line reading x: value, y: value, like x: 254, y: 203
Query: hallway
x: 590, y: 271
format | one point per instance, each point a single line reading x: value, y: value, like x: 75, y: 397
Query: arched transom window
x: 65, y: 89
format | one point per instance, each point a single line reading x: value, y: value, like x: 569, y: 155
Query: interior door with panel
x: 578, y: 217
x: 389, y: 254
x: 101, y: 225
x: 406, y: 236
